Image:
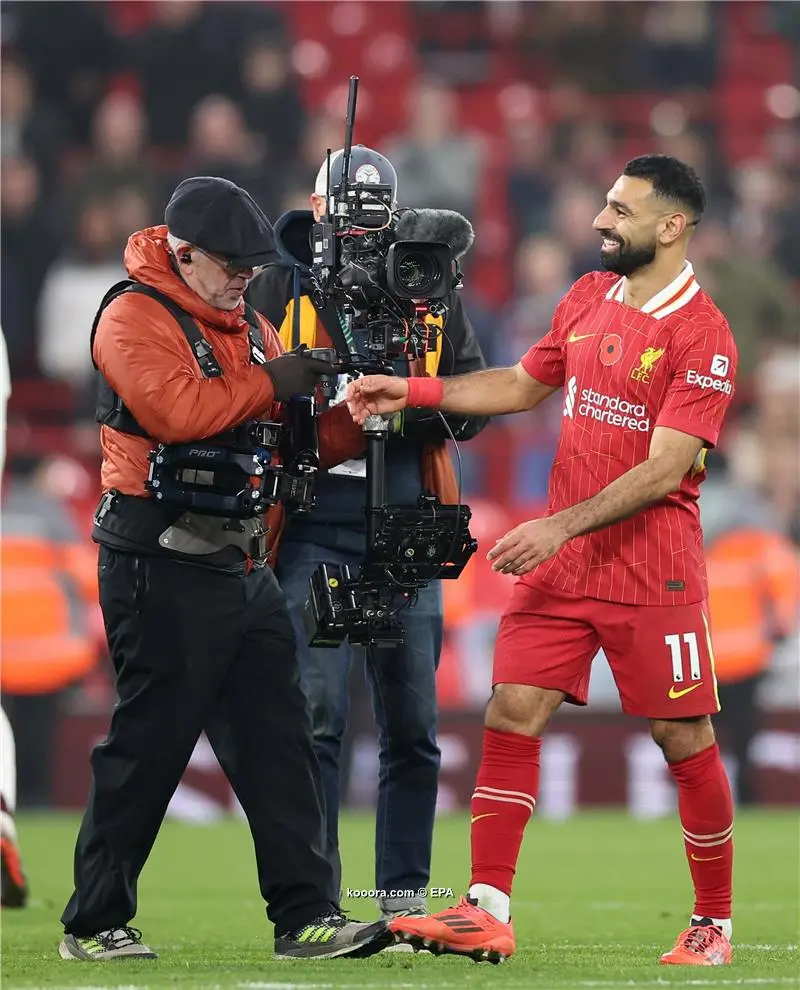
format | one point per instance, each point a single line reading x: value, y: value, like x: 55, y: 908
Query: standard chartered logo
x: 610, y: 409
x: 569, y: 399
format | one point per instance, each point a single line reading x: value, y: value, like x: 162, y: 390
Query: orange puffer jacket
x: 145, y: 357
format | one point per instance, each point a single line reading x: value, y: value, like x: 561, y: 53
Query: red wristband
x: 426, y: 392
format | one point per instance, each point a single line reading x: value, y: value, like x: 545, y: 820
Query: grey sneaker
x: 418, y: 911
x: 114, y: 943
x: 333, y: 935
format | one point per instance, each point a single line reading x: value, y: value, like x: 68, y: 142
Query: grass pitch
x: 597, y: 899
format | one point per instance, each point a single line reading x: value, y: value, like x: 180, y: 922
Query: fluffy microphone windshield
x: 445, y: 226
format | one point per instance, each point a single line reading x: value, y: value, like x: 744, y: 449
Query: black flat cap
x: 221, y: 218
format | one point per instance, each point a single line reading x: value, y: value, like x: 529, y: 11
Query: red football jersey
x: 624, y: 372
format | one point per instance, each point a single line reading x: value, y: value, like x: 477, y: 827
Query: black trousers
x: 196, y: 649
x: 739, y: 721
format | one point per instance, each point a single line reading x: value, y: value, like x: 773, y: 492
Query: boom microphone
x: 443, y: 226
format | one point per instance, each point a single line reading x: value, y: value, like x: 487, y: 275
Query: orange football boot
x: 464, y: 930
x: 700, y: 945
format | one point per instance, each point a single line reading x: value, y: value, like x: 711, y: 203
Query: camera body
x: 387, y: 284
x: 357, y: 246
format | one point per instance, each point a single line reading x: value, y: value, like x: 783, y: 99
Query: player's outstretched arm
x: 671, y: 457
x: 483, y: 393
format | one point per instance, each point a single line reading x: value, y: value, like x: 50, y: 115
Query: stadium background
x: 519, y: 115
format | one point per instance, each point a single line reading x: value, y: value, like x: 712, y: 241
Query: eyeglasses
x: 230, y: 267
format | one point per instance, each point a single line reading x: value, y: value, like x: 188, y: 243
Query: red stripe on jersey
x: 674, y: 298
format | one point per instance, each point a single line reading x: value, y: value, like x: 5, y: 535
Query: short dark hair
x: 671, y: 179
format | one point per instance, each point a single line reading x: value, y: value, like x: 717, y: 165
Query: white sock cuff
x: 724, y: 923
x: 492, y: 900
x: 7, y: 826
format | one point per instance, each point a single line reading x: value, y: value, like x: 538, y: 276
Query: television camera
x: 389, y: 272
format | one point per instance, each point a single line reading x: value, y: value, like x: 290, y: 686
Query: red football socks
x: 705, y: 807
x: 504, y: 798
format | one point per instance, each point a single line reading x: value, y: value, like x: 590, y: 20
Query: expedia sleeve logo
x: 710, y: 381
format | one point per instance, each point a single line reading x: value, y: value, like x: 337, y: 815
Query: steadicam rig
x: 390, y: 273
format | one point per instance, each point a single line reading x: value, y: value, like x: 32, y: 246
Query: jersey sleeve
x: 545, y: 360
x: 702, y: 384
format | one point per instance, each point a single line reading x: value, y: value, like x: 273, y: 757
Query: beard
x: 625, y: 259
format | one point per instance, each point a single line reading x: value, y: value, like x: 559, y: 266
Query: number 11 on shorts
x: 674, y: 643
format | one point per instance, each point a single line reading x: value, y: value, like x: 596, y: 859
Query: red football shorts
x: 660, y: 656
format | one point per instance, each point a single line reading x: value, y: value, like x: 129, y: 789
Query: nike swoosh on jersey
x: 573, y: 338
x: 489, y: 814
x: 704, y: 859
x: 679, y: 694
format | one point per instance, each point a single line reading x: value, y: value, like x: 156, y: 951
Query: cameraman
x: 197, y: 626
x: 401, y: 679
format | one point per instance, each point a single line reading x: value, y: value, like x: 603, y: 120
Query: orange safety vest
x: 45, y: 593
x: 754, y: 597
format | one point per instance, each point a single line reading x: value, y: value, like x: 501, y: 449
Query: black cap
x: 366, y: 165
x: 221, y: 218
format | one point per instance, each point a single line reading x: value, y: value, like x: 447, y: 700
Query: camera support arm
x: 376, y: 430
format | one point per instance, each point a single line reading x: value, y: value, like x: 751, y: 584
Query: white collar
x: 670, y: 299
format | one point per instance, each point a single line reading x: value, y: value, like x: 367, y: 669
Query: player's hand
x: 527, y: 545
x: 375, y: 395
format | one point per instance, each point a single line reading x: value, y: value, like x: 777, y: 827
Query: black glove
x: 296, y: 374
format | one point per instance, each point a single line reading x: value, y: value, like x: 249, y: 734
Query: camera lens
x: 418, y: 272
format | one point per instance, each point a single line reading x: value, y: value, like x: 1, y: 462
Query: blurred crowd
x: 106, y: 106
x: 518, y: 115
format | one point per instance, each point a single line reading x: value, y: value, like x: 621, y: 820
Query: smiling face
x: 635, y: 225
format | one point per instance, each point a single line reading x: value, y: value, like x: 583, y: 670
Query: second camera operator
x: 197, y: 625
x: 402, y: 678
